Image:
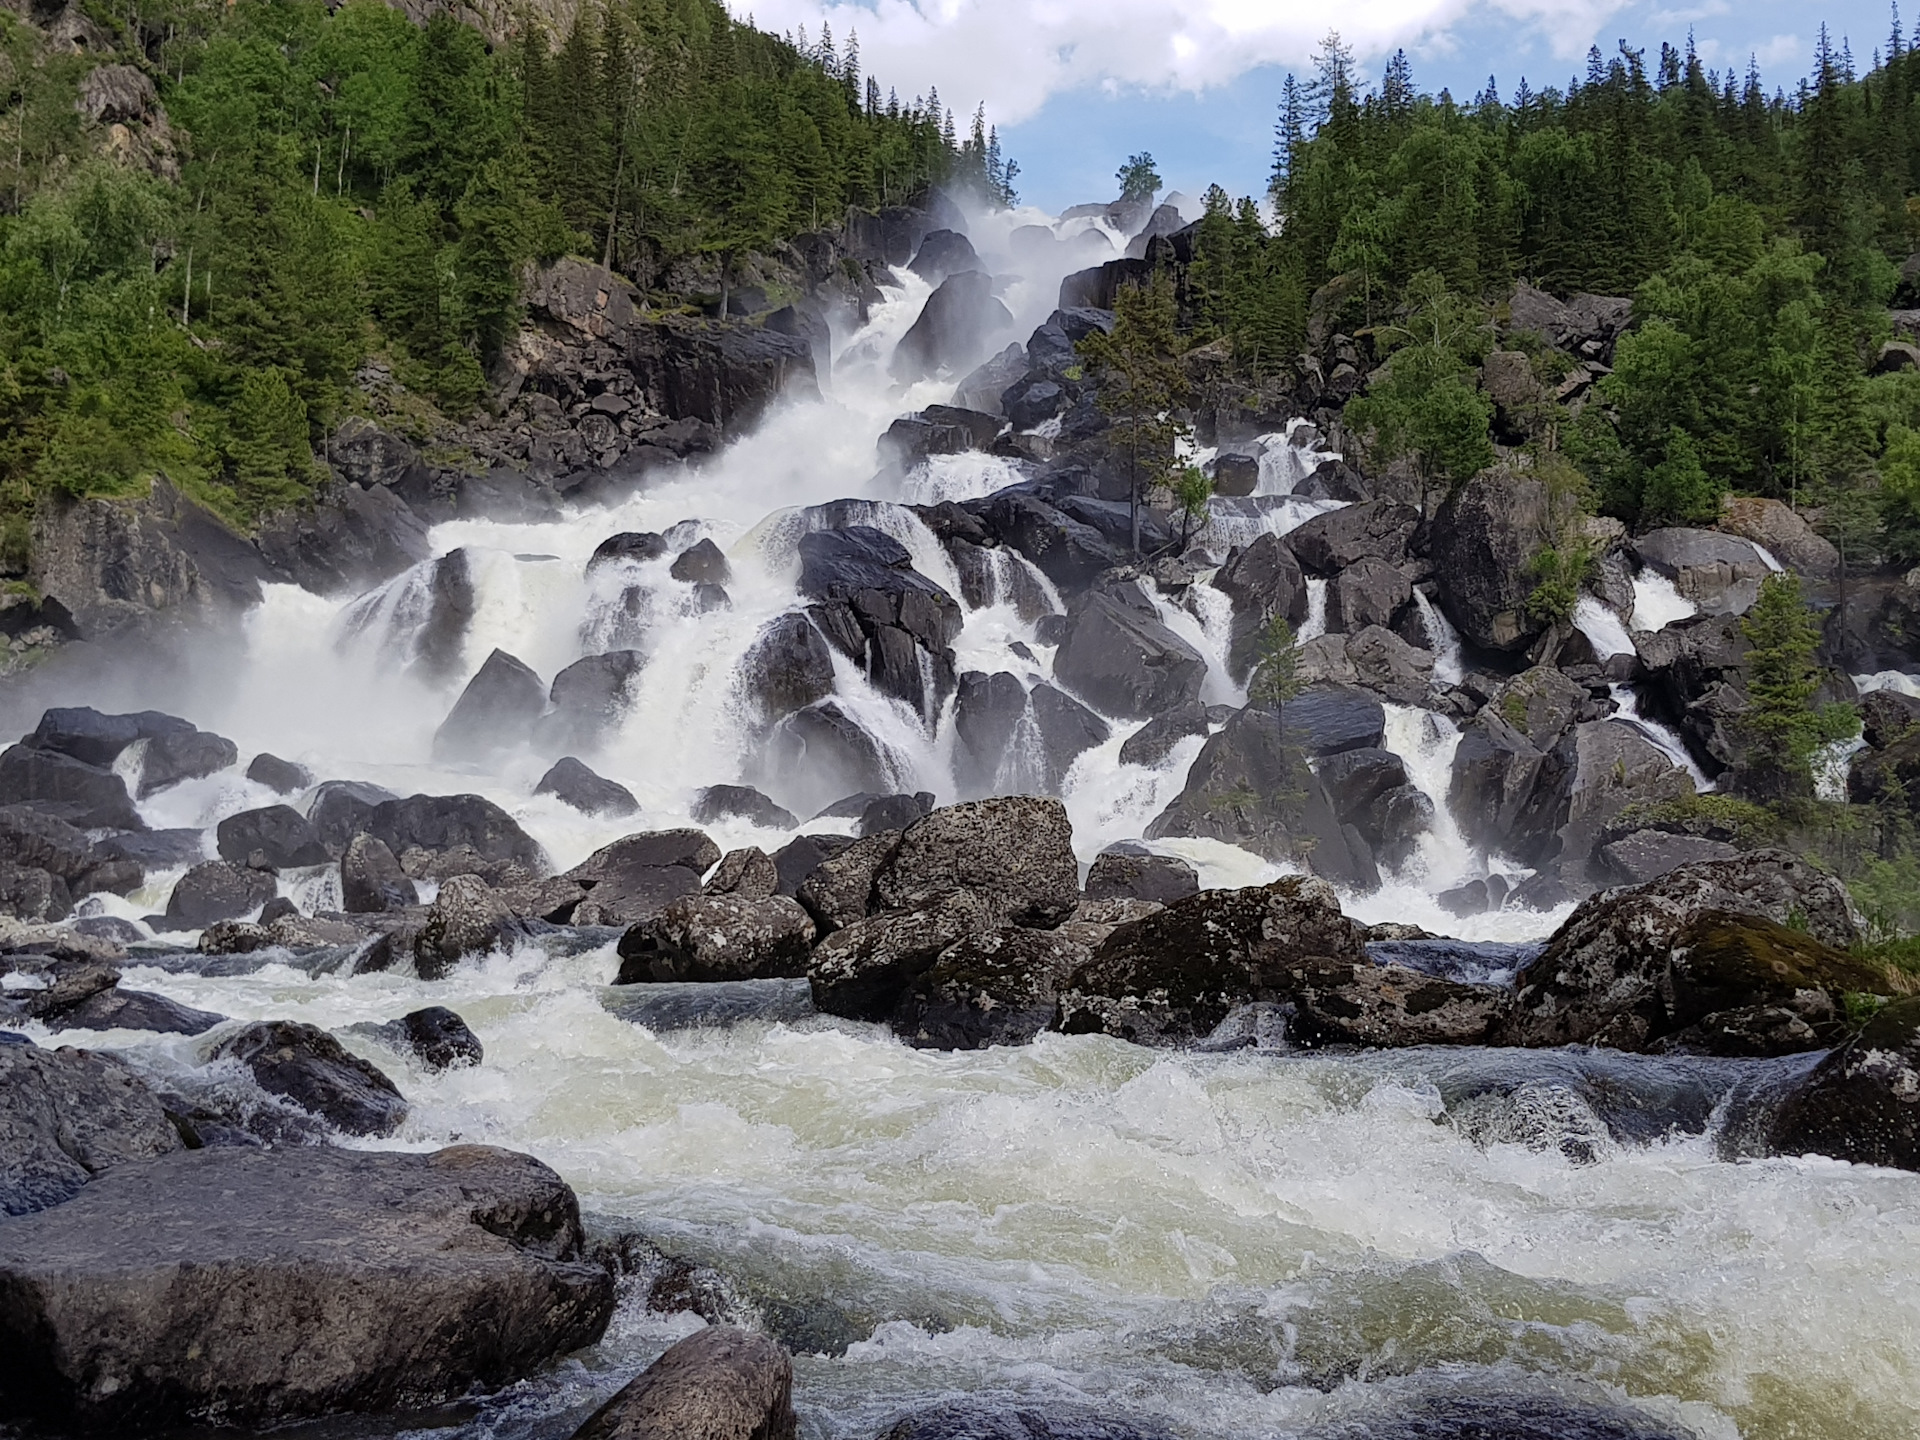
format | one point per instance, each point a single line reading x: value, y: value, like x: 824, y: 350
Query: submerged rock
x: 252, y: 1287
x: 313, y: 1070
x: 717, y: 1384
x: 439, y: 1038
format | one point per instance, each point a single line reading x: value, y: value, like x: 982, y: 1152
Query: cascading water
x: 1602, y: 628
x: 1656, y: 603
x: 1247, y: 1244
x: 1442, y: 639
x: 1664, y: 737
x: 1315, y: 625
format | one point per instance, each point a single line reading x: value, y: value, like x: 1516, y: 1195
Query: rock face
x: 1124, y: 662
x: 253, y: 1287
x: 277, y: 837
x: 717, y: 1384
x: 954, y: 331
x: 1719, y: 573
x: 1862, y: 1103
x: 1014, y: 852
x: 881, y: 613
x: 1631, y: 968
x: 1264, y: 581
x: 217, y: 890
x: 719, y: 937
x: 1170, y: 978
x: 65, y: 1117
x: 496, y: 711
x: 788, y: 667
x: 313, y: 1070
x: 1482, y: 545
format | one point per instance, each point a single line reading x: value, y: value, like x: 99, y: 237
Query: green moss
x: 1717, y: 817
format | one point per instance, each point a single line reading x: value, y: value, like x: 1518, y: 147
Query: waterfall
x: 1663, y: 737
x: 1316, y: 621
x: 1442, y: 639
x: 1656, y: 603
x: 1602, y: 628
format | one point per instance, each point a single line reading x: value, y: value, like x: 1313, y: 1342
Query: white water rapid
x: 1251, y: 1244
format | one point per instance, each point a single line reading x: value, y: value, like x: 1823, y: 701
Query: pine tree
x: 1783, y: 728
x: 1142, y: 385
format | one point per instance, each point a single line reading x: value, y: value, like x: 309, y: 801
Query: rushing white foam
x: 1315, y: 625
x: 1442, y: 639
x: 1888, y: 680
x: 1601, y: 627
x: 1656, y: 603
x: 1663, y: 737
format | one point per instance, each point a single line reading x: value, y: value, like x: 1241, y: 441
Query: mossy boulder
x: 1862, y: 1103
x: 996, y: 988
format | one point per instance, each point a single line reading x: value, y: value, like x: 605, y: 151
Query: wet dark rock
x: 1013, y: 852
x: 1368, y: 592
x: 467, y: 917
x: 251, y: 1286
x: 66, y: 1116
x: 717, y: 1384
x: 1066, y: 551
x: 1126, y: 663
x: 183, y: 755
x: 1615, y: 974
x: 1327, y: 722
x: 986, y: 1420
x: 740, y: 802
x: 637, y: 546
x: 987, y: 709
x: 1122, y: 874
x: 94, y: 738
x: 1862, y: 1103
x: 999, y: 987
x: 750, y: 874
x: 1719, y: 573
x: 1236, y: 475
x: 634, y: 877
x: 444, y: 822
x: 276, y: 837
x: 278, y: 908
x: 341, y: 809
x: 954, y: 330
x: 861, y: 971
x: 283, y: 777
x: 309, y: 1067
x: 371, y: 880
x: 32, y: 894
x: 788, y: 667
x: 1172, y: 977
x: 1154, y: 741
x: 800, y: 857
x: 822, y: 752
x: 1585, y: 782
x: 440, y: 1039
x: 117, y: 1009
x: 1886, y: 716
x: 1482, y: 544
x: 701, y: 563
x: 1390, y: 1006
x: 881, y: 612
x: 572, y: 783
x: 217, y: 890
x: 54, y: 783
x: 496, y: 711
x: 30, y: 840
x: 943, y: 253
x: 234, y: 937
x: 1378, y: 530
x: 873, y: 814
x: 937, y: 430
x: 589, y: 697
x: 1264, y: 581
x: 1066, y: 730
x: 839, y: 891
x: 1505, y: 1417
x: 719, y: 937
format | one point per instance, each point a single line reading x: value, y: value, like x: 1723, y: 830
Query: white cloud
x: 1014, y: 54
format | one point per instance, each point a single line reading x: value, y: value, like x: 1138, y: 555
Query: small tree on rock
x: 1141, y: 384
x: 1783, y: 728
x: 1138, y: 179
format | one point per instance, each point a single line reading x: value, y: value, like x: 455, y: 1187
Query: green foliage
x: 1138, y: 179
x: 1783, y: 727
x: 1888, y: 894
x: 1142, y: 384
x: 351, y: 184
x: 1276, y: 673
x: 1191, y: 490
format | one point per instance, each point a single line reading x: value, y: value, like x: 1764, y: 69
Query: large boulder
x: 573, y: 783
x: 1123, y: 661
x: 882, y: 613
x: 1482, y: 543
x: 818, y: 754
x: 1783, y: 533
x: 589, y: 698
x: 183, y: 755
x: 1719, y: 573
x: 1172, y: 977
x: 984, y: 1420
x: 1015, y: 853
x: 740, y: 802
x: 1586, y: 781
x: 787, y: 668
x: 634, y: 877
x: 283, y: 777
x: 749, y: 873
x: 1067, y: 551
x: 54, y: 783
x: 955, y: 330
x: 1378, y: 530
x: 1154, y: 741
x: 943, y: 253
x: 1368, y: 592
x: 65, y: 1117
x: 446, y: 822
x: 252, y: 1287
x: 1130, y: 872
x: 717, y: 1384
x: 839, y: 890
x: 998, y: 987
x: 276, y: 837
x: 719, y: 937
x: 861, y: 971
x: 495, y: 712
x: 307, y: 1066
x: 467, y: 917
x: 438, y: 1038
x: 116, y: 1009
x: 1862, y: 1103
x: 217, y: 890
x: 1608, y: 976
x: 341, y: 809
x: 93, y: 738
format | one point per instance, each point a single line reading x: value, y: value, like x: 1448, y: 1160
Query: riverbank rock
x: 467, y: 917
x: 217, y: 890
x: 313, y: 1070
x: 1015, y: 853
x: 1633, y: 967
x: 371, y: 880
x: 66, y: 1116
x: 1390, y: 1006
x: 1171, y: 978
x: 999, y: 987
x: 861, y: 971
x: 984, y: 1420
x: 634, y: 877
x: 719, y: 1383
x: 276, y: 837
x: 719, y: 937
x: 1862, y: 1103
x: 252, y: 1287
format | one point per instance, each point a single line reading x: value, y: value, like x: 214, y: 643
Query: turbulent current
x: 1254, y: 1243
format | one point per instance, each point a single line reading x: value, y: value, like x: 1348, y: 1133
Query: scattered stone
x: 371, y: 880
x: 251, y: 1287
x: 276, y: 837
x: 750, y: 873
x: 443, y: 822
x: 341, y: 809
x: 717, y: 1384
x: 309, y: 1067
x: 573, y: 783
x: 183, y: 755
x: 283, y: 777
x: 1390, y: 1006
x: 702, y: 564
x: 801, y: 856
x: 719, y: 937
x: 466, y: 918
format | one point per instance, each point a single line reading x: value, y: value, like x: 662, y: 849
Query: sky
x: 1075, y: 86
